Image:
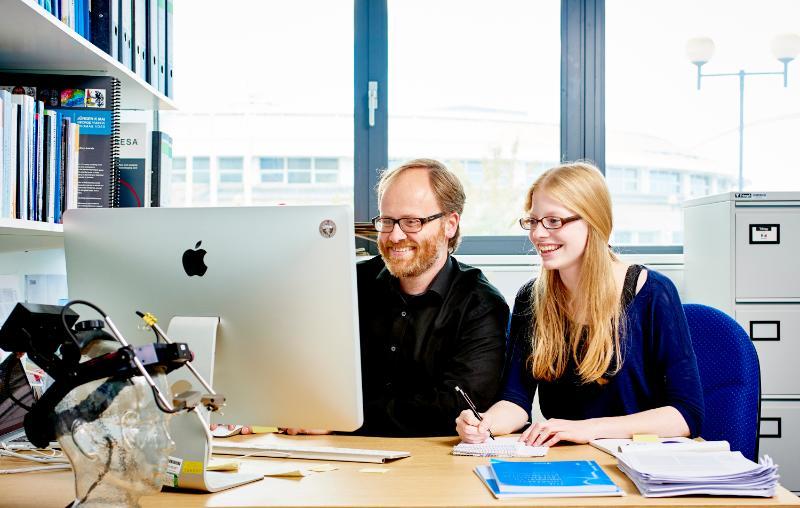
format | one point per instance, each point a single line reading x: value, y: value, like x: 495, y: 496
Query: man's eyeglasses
x: 529, y: 223
x: 407, y: 224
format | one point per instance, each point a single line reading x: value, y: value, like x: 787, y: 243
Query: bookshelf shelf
x: 22, y: 235
x: 33, y: 40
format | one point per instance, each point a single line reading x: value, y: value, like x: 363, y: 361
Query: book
x: 91, y: 102
x: 161, y: 173
x: 558, y: 477
x: 134, y: 167
x: 486, y: 474
x: 499, y: 447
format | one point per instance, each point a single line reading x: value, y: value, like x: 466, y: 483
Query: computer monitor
x: 281, y: 279
x: 15, y: 389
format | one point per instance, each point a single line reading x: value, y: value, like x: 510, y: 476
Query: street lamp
x: 784, y: 47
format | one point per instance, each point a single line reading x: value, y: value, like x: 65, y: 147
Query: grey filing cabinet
x: 742, y: 256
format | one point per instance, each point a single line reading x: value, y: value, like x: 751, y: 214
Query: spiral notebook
x: 499, y: 447
x: 93, y: 103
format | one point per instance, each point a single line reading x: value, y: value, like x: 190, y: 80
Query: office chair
x: 731, y: 377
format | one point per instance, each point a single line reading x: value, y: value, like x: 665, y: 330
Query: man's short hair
x: 446, y: 187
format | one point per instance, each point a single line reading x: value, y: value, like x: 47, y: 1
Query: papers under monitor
x: 499, y: 447
x: 289, y: 449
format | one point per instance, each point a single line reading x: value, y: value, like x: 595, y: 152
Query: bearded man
x: 428, y: 323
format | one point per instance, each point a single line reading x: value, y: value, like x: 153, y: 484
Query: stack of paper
x: 661, y: 474
x: 500, y: 447
x: 546, y: 479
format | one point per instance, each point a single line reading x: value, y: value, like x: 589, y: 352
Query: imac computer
x: 281, y: 280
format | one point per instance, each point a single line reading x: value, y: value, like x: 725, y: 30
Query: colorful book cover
x: 552, y: 477
x: 92, y: 102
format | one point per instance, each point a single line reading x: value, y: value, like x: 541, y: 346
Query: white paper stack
x: 662, y: 474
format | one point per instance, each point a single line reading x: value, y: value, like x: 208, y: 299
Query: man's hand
x: 472, y: 430
x: 310, y: 432
x: 550, y: 432
x: 244, y: 430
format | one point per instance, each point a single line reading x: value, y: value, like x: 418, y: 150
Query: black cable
x: 64, y: 317
x: 159, y: 404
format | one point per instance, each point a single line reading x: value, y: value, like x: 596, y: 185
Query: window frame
x: 582, y: 129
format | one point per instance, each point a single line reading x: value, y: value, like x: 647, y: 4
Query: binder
x: 87, y: 20
x: 105, y: 26
x: 134, y: 171
x: 140, y: 38
x: 169, y: 87
x: 162, y: 44
x: 126, y: 33
x: 7, y: 155
x: 152, y: 42
x: 161, y: 174
x: 78, y: 19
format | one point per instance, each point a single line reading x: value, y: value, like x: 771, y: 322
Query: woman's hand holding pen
x: 472, y: 430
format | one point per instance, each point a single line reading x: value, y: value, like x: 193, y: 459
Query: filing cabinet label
x: 765, y: 233
x: 769, y: 427
x: 765, y: 330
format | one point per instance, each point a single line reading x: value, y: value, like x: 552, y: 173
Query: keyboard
x: 294, y: 451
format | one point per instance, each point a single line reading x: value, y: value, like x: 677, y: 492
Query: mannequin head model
x: 114, y: 436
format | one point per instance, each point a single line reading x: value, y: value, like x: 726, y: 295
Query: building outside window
x: 665, y: 182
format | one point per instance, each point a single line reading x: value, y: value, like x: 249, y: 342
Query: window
x: 665, y: 182
x: 688, y: 138
x: 700, y: 185
x: 299, y: 170
x: 476, y: 85
x: 271, y: 170
x: 264, y: 116
x: 622, y: 180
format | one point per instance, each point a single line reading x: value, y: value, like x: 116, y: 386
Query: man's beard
x: 425, y: 256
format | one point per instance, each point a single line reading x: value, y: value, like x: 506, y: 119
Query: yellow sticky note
x: 379, y: 470
x: 645, y: 438
x: 192, y: 467
x: 222, y: 465
x: 322, y: 468
x: 259, y: 429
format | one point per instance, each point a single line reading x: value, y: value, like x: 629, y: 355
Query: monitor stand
x: 190, y: 431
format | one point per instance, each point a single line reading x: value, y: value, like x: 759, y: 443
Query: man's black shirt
x: 416, y: 349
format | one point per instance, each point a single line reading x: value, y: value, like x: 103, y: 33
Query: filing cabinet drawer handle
x: 775, y: 434
x: 772, y: 336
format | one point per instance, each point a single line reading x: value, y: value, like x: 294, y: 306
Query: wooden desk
x: 431, y: 477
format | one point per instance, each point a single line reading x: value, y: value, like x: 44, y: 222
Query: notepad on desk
x: 581, y: 478
x: 499, y: 447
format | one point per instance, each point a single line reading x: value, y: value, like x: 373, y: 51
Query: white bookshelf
x: 33, y: 40
x: 23, y: 235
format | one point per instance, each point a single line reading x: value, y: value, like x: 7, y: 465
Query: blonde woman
x: 606, y: 343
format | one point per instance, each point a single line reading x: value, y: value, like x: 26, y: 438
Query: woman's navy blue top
x: 658, y: 368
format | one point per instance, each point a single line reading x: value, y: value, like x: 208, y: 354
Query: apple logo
x: 193, y: 262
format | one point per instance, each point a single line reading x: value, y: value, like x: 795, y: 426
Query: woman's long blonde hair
x: 586, y: 327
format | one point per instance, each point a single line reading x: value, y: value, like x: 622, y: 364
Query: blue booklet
x: 560, y: 477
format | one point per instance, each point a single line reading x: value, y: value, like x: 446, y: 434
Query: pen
x: 472, y: 407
